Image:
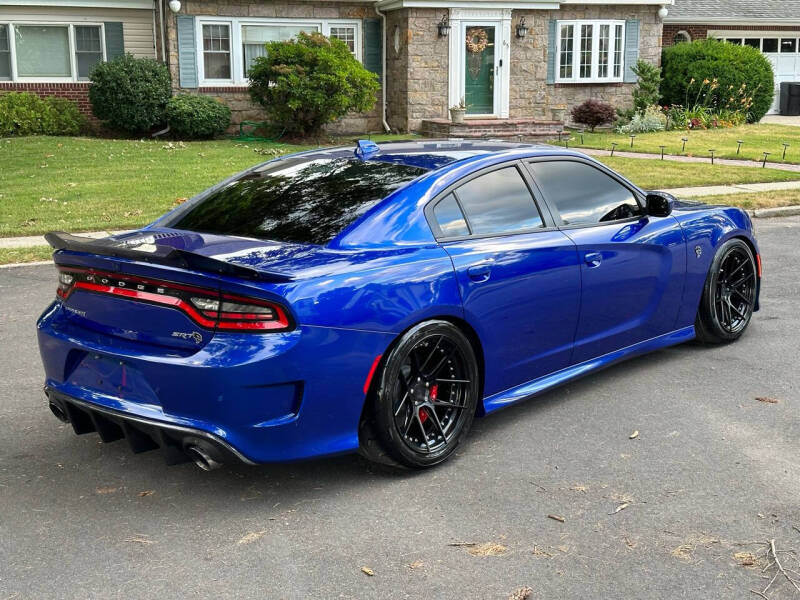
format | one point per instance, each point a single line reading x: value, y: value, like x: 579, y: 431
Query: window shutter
x: 631, y: 50
x: 115, y: 42
x: 187, y: 52
x: 373, y: 47
x: 551, y: 52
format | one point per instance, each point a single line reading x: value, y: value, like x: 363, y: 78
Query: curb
x: 35, y: 263
x: 781, y: 211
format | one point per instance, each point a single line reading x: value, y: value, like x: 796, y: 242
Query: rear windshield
x: 304, y: 200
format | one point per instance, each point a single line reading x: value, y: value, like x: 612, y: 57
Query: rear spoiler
x: 157, y: 254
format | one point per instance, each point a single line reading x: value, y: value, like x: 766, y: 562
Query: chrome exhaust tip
x: 201, y: 458
x: 59, y: 412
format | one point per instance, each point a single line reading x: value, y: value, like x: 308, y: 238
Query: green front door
x: 479, y: 70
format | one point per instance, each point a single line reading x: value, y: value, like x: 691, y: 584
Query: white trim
x: 73, y: 63
x: 140, y: 4
x: 731, y: 21
x: 500, y: 19
x: 511, y: 4
x: 595, y: 51
x: 235, y: 27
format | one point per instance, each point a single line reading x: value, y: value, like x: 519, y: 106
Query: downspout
x: 383, y: 69
x: 161, y: 18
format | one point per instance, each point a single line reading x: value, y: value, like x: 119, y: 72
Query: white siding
x: 137, y: 24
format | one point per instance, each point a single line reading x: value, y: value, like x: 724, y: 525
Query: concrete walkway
x: 725, y: 190
x: 692, y: 159
x: 781, y: 120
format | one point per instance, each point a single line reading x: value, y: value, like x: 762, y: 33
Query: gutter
x: 383, y: 69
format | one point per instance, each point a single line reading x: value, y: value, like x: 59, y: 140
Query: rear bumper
x: 259, y: 398
x: 177, y: 443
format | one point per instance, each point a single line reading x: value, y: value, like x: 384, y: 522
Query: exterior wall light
x: 444, y: 26
x: 522, y: 29
x: 663, y: 12
x: 174, y: 5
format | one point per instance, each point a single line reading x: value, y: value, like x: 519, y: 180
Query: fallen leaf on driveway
x: 144, y: 493
x: 488, y: 549
x: 522, y: 593
x: 539, y: 553
x: 622, y: 506
x: 683, y: 552
x: 556, y: 518
x: 251, y: 537
x: 767, y: 400
x: 745, y: 559
x: 634, y: 435
x: 416, y: 564
x: 368, y: 571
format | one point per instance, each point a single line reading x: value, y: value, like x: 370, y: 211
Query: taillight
x: 208, y: 308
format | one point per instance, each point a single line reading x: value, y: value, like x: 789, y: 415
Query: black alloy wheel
x: 729, y: 295
x: 427, y: 396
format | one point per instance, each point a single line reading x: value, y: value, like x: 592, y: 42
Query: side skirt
x: 542, y: 384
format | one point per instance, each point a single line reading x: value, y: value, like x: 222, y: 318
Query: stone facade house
x: 513, y: 62
x: 772, y: 26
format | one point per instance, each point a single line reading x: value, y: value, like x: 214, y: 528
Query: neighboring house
x: 49, y: 46
x: 772, y: 26
x: 571, y: 51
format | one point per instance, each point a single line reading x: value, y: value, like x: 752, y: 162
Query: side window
x: 499, y: 202
x: 583, y: 194
x: 449, y: 217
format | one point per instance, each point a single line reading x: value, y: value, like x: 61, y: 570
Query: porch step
x: 493, y: 128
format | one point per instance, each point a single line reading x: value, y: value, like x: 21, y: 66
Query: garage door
x: 784, y: 55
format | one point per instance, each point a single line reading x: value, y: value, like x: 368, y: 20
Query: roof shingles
x: 762, y: 10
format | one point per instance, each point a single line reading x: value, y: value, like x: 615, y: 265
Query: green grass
x: 23, y: 255
x: 756, y: 200
x: 88, y: 184
x: 757, y: 139
x: 658, y: 174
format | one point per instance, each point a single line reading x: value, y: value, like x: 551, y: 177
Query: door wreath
x: 477, y: 40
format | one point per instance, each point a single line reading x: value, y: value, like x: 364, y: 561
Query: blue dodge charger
x: 378, y: 298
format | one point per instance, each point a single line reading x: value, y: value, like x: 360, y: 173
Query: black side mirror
x: 660, y: 204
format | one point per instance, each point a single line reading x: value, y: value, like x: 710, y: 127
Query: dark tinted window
x: 583, y: 194
x: 306, y: 200
x: 770, y: 45
x: 450, y: 218
x: 789, y: 45
x: 753, y: 43
x: 499, y: 202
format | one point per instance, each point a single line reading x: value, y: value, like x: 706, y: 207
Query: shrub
x: 190, y: 116
x: 24, y: 113
x: 727, y: 65
x: 130, y: 94
x: 651, y: 119
x: 648, y: 91
x: 308, y: 82
x: 593, y: 113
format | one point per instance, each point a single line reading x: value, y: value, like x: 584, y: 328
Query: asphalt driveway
x: 663, y: 515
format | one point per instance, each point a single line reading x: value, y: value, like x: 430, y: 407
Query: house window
x: 789, y: 45
x: 599, y: 56
x: 88, y: 49
x: 770, y: 45
x: 682, y: 37
x: 347, y: 35
x: 5, y: 53
x: 217, y: 51
x: 230, y: 45
x: 42, y: 51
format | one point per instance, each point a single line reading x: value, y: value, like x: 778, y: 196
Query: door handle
x: 593, y: 259
x: 479, y: 273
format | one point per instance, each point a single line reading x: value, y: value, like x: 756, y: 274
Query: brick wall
x: 700, y: 32
x: 77, y: 92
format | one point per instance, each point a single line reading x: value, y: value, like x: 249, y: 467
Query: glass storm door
x: 479, y: 69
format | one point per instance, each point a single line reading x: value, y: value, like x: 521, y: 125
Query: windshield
x: 304, y: 200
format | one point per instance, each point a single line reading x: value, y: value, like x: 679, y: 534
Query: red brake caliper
x: 423, y: 413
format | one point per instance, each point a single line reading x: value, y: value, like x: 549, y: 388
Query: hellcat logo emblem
x: 698, y: 251
x: 194, y: 335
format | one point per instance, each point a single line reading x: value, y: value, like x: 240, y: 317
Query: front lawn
x: 757, y: 199
x: 757, y: 140
x: 88, y: 184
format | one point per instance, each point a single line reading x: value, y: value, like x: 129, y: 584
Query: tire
x: 729, y: 294
x: 427, y: 394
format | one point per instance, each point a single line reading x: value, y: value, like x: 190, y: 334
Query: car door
x: 518, y: 275
x: 632, y: 265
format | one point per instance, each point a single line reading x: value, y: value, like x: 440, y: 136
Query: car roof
x: 432, y: 154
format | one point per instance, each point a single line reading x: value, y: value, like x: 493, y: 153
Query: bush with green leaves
x: 190, y: 116
x: 648, y: 90
x: 130, y: 94
x: 308, y: 82
x: 651, y: 118
x: 24, y: 113
x: 593, y: 113
x: 729, y: 66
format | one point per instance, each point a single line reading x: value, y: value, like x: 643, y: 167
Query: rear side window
x: 583, y: 194
x: 449, y: 217
x: 304, y: 200
x: 499, y: 202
